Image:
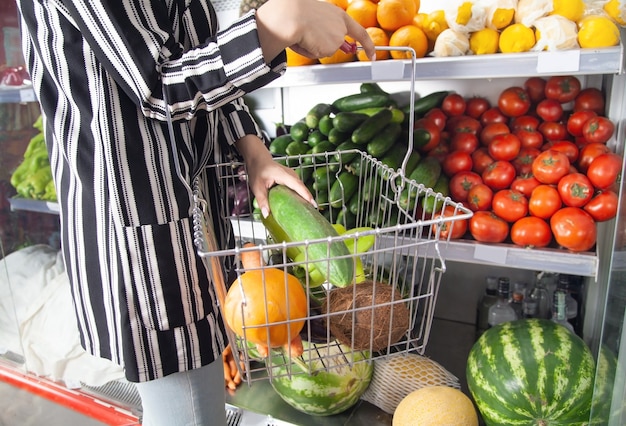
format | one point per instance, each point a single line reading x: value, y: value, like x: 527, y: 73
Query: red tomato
x: 487, y: 227
x: 523, y: 163
x: 490, y: 131
x: 481, y: 159
x: 553, y: 131
x: 575, y: 189
x: 479, y: 197
x: 493, y: 115
x: 454, y: 229
x: 549, y: 110
x: 588, y: 153
x: 603, y: 206
x: 438, y: 116
x: 591, y: 99
x: 574, y: 229
x: 453, y: 104
x: 525, y: 122
x: 576, y: 121
x: 598, y: 129
x: 544, y: 201
x: 456, y: 161
x: 461, y: 183
x: 439, y: 152
x: 467, y: 142
x: 568, y: 148
x: 514, y: 102
x: 550, y: 166
x: 604, y: 170
x: 529, y: 138
x: 525, y: 184
x: 476, y: 106
x: 535, y: 86
x: 531, y: 231
x: 426, y: 134
x: 499, y: 175
x: 562, y: 88
x: 466, y: 124
x: 504, y: 147
x: 510, y: 205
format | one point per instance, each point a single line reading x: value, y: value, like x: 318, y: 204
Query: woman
x: 107, y: 74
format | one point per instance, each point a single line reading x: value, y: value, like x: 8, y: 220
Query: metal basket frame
x: 406, y: 253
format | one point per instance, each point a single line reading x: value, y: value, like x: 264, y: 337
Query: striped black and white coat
x: 100, y: 69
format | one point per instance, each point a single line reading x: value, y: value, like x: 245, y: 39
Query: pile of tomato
x: 535, y: 168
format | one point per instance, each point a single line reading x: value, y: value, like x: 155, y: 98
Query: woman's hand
x: 313, y: 28
x: 264, y: 172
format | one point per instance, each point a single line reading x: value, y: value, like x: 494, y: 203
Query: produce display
x: 536, y: 166
x: 461, y: 27
x: 33, y: 177
x: 531, y: 371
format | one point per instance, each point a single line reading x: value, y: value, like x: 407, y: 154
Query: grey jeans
x: 191, y: 398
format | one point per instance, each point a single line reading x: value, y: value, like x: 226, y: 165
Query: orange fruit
x: 393, y: 14
x: 364, y: 12
x: 409, y: 36
x: 295, y: 59
x: 341, y: 3
x: 380, y: 38
x: 339, y: 57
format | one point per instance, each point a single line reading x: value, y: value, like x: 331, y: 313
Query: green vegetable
x: 331, y: 387
x: 432, y: 203
x: 531, y: 372
x: 278, y: 146
x: 315, y: 137
x: 342, y: 189
x: 371, y: 126
x: 360, y: 101
x: 314, y: 115
x: 426, y: 103
x: 384, y: 140
x: 299, y: 131
x: 346, y: 122
x: 293, y: 219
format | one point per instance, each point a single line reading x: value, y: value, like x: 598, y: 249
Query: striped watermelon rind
x: 531, y: 372
x: 327, y: 391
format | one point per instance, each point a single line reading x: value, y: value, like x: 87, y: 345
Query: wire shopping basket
x: 393, y: 251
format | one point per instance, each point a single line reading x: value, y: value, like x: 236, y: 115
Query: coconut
x: 367, y: 316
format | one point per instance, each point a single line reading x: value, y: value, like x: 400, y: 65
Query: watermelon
x: 606, y: 368
x: 333, y: 385
x: 531, y: 372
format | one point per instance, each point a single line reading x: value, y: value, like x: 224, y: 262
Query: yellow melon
x: 435, y: 406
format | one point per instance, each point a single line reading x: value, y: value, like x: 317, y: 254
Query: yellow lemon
x: 434, y: 24
x: 597, y: 31
x: 484, y: 41
x: 516, y: 38
x: 571, y: 9
x: 616, y: 10
x: 464, y: 13
x: 502, y: 17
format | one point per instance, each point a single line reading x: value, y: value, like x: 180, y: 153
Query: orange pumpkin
x: 260, y: 298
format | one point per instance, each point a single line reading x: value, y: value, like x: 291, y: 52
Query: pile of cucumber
x: 370, y: 121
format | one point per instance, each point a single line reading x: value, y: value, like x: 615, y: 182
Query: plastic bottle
x: 541, y: 298
x: 558, y: 310
x: 489, y: 298
x: 502, y: 311
x: 517, y: 298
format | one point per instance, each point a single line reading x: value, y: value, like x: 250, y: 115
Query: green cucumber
x: 343, y: 157
x: 278, y: 146
x: 342, y: 189
x: 371, y: 189
x: 296, y: 148
x: 427, y: 172
x: 304, y: 173
x: 426, y: 103
x: 371, y: 126
x: 336, y: 137
x: 393, y: 158
x: 433, y: 203
x: 397, y: 115
x: 355, y: 204
x: 346, y: 218
x: 348, y: 121
x: 321, y: 178
x: 371, y: 87
x: 314, y: 115
x: 293, y: 219
x: 361, y: 100
x: 299, y: 131
x: 315, y: 137
x: 414, y: 159
x: 384, y: 140
x: 325, y: 124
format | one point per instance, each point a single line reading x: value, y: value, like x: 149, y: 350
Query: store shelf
x: 38, y: 206
x: 574, y: 61
x: 507, y: 255
x: 17, y: 94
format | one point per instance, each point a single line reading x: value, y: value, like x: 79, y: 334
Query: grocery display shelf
x: 574, y: 61
x: 467, y: 251
x: 17, y: 94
